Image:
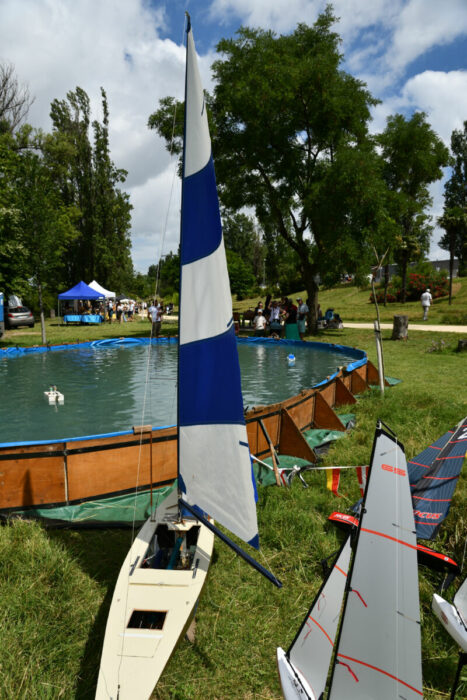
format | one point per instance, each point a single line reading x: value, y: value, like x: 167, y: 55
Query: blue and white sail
x: 215, y: 474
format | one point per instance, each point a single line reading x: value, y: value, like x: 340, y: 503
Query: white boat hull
x: 294, y: 685
x: 151, y: 608
x: 450, y: 619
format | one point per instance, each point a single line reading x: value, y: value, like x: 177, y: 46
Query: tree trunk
x: 386, y: 283
x: 41, y: 309
x: 451, y: 270
x: 400, y: 328
x: 312, y: 290
x: 404, y: 279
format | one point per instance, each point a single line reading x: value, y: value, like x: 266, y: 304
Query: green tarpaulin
x: 104, y: 512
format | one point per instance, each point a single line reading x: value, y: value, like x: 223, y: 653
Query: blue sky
x: 410, y: 53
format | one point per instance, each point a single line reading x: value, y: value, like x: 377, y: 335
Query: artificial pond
x: 111, y: 385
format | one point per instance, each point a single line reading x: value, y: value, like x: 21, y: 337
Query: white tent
x: 105, y: 292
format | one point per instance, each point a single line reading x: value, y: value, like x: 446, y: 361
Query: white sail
x: 379, y: 645
x: 215, y: 474
x: 310, y: 653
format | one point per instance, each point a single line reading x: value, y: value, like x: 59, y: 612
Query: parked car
x: 18, y: 316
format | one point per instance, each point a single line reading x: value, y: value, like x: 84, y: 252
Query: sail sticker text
x: 394, y: 470
x: 427, y: 516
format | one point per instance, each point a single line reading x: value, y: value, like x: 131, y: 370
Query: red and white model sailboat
x: 377, y: 653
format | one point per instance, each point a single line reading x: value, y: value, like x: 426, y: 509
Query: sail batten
x: 215, y: 474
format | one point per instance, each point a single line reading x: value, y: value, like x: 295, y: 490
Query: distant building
x: 438, y: 265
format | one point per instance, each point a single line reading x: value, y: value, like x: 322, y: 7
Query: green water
x: 112, y: 389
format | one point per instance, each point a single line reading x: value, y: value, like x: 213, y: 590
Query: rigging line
x: 148, y: 354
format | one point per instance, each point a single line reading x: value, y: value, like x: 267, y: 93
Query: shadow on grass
x: 100, y: 554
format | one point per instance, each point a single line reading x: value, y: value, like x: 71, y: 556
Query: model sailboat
x: 163, y: 574
x: 378, y: 648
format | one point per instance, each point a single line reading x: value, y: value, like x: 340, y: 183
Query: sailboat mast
x: 180, y: 310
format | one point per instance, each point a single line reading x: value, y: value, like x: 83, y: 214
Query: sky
x: 412, y: 55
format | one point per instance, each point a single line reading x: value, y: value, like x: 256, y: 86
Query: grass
x: 353, y: 304
x: 56, y: 586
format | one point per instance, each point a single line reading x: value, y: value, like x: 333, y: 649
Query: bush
x: 417, y: 282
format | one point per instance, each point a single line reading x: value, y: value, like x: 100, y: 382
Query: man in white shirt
x: 155, y: 312
x: 259, y: 323
x: 426, y: 300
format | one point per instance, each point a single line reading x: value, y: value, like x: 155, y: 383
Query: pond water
x: 106, y: 390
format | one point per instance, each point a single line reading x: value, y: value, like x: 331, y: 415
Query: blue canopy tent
x: 83, y: 292
x: 80, y: 291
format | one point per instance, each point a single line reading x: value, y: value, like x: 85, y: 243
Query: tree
x: 290, y: 139
x: 242, y: 237
x: 15, y: 100
x: 454, y: 222
x: 45, y: 223
x: 90, y: 181
x: 413, y: 158
x: 241, y: 277
x: 454, y: 219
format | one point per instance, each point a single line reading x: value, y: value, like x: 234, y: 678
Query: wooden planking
x: 27, y: 482
x: 343, y: 396
x: 292, y: 441
x: 325, y: 416
x: 121, y: 468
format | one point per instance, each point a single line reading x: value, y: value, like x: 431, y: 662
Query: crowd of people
x: 124, y: 310
x: 287, y: 319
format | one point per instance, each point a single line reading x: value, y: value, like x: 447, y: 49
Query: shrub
x: 417, y: 282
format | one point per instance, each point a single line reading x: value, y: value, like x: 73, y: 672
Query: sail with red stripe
x: 379, y: 645
x: 433, y: 478
x: 304, y: 668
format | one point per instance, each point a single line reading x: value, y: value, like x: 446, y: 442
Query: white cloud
x: 423, y: 24
x: 56, y: 45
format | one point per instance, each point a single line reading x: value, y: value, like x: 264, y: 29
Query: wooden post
x: 379, y: 352
x: 273, y: 453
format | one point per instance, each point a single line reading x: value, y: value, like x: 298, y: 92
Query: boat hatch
x: 147, y: 620
x: 170, y: 549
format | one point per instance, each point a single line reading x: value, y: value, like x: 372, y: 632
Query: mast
x: 215, y: 475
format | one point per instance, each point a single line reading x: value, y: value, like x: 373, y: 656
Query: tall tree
x: 413, y: 156
x: 242, y: 237
x: 455, y: 203
x: 290, y: 139
x: 45, y: 223
x: 90, y: 181
x: 15, y: 99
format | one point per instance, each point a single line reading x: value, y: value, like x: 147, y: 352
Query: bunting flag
x: 362, y: 475
x: 332, y: 480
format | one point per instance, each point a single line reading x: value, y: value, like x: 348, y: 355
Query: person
x: 291, y: 330
x: 120, y: 312
x: 336, y: 322
x: 275, y: 318
x: 111, y: 310
x: 155, y: 313
x: 259, y: 323
x: 426, y: 300
x: 301, y: 317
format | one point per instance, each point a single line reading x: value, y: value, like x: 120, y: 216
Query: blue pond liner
x: 360, y: 360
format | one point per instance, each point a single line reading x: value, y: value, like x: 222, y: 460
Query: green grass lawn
x: 353, y: 305
x: 56, y: 586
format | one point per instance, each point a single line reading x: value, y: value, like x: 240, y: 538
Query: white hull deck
x: 450, y: 619
x: 151, y: 607
x: 292, y: 687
